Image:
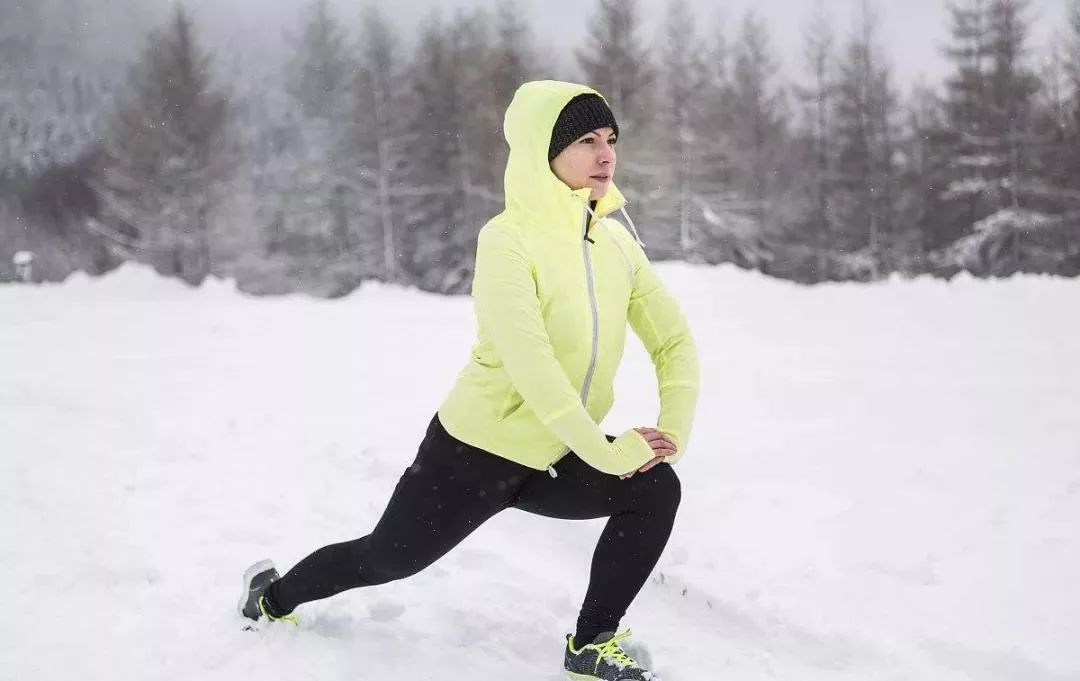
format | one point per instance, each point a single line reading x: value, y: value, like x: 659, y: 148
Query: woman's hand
x: 662, y: 447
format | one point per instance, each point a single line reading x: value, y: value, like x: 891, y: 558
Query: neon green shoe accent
x: 286, y: 618
x: 609, y: 650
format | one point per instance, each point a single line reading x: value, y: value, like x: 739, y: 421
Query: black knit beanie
x: 581, y: 115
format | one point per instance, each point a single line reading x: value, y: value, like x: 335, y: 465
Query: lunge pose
x: 557, y: 282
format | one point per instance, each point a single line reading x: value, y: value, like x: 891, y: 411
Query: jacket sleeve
x: 508, y: 310
x: 659, y: 322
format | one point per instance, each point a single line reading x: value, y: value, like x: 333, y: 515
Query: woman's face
x: 588, y: 162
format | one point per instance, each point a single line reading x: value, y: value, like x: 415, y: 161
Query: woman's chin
x: 599, y: 189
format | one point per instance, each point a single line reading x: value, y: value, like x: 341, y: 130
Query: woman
x: 556, y: 282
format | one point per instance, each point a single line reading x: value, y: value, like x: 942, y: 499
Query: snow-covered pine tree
x: 1013, y: 86
x: 1061, y: 105
x: 618, y: 63
x: 816, y: 132
x: 1053, y: 118
x: 319, y: 76
x: 434, y: 216
x: 461, y: 79
x: 264, y: 123
x: 866, y: 134
x: 921, y: 173
x: 165, y: 153
x: 53, y: 85
x: 319, y: 218
x: 964, y: 139
x: 758, y: 123
x: 1073, y: 63
x: 377, y: 143
x: 989, y: 101
x: 671, y: 221
x: 1010, y: 176
x: 514, y: 56
x: 727, y: 229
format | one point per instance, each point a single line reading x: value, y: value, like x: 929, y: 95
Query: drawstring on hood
x: 629, y: 222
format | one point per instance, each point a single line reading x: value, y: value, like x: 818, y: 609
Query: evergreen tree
x: 1053, y: 120
x: 379, y: 140
x: 721, y: 206
x: 455, y: 149
x: 967, y: 128
x: 924, y: 170
x: 321, y: 78
x: 513, y: 57
x: 865, y: 119
x: 450, y: 151
x: 1061, y: 105
x: 1012, y: 89
x: 1073, y: 65
x: 165, y: 153
x: 321, y: 71
x: 670, y: 228
x: 618, y: 64
x: 989, y: 99
x: 818, y: 148
x: 53, y: 93
x: 757, y: 122
x: 513, y: 61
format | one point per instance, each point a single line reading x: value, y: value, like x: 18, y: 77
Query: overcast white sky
x: 913, y: 30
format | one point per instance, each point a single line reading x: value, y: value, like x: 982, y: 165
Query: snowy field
x: 883, y: 483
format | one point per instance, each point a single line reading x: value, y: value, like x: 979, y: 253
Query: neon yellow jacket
x: 552, y: 310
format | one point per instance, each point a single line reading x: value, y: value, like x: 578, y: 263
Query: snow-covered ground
x: 884, y: 483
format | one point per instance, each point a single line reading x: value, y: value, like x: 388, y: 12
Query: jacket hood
x: 529, y: 183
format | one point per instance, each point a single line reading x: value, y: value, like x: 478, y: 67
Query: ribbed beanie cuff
x: 581, y: 115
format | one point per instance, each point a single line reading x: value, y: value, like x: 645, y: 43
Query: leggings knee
x: 662, y: 491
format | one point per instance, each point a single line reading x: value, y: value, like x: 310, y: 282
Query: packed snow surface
x: 883, y: 483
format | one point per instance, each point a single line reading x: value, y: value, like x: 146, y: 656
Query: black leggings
x: 452, y: 488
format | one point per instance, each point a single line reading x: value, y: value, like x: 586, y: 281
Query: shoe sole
x: 250, y: 574
x: 585, y: 677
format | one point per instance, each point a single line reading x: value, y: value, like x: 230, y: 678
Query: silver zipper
x: 595, y: 320
x: 592, y: 303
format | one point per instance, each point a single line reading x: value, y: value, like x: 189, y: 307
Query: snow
x: 883, y: 483
x: 1009, y: 219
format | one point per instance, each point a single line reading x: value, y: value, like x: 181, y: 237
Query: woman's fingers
x: 657, y: 439
x: 662, y: 447
x: 649, y: 466
x: 646, y: 468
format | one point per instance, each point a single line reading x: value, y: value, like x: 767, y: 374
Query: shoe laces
x: 611, y: 650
